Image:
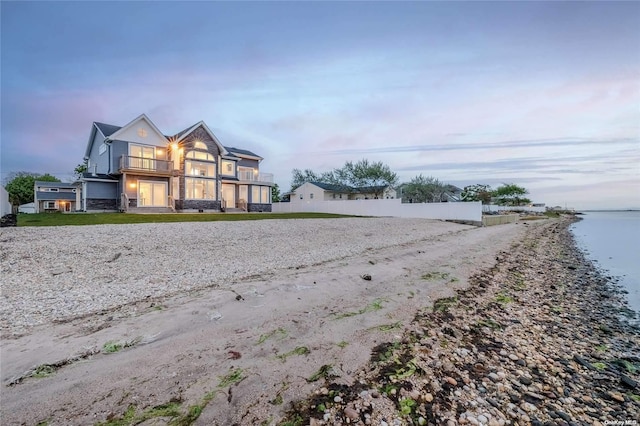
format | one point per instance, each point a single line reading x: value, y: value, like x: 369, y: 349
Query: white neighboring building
x: 5, y: 205
x: 319, y: 191
x: 27, y: 208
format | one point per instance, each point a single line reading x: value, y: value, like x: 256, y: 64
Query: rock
x: 366, y: 277
x: 494, y: 377
x: 451, y: 381
x: 564, y: 416
x: 535, y: 396
x: 513, y: 357
x: 351, y: 413
x: 525, y: 380
x: 482, y: 419
x: 428, y: 397
x: 628, y: 381
x: 616, y: 396
x: 337, y: 398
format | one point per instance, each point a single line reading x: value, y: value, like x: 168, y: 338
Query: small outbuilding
x: 28, y: 208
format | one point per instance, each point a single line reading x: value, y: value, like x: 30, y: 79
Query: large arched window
x: 200, y: 145
x: 200, y: 175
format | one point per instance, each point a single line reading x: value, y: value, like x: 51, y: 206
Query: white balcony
x: 254, y: 176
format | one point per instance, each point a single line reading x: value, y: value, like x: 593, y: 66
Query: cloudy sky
x: 542, y: 94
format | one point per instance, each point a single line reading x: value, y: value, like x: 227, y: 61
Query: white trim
x: 248, y: 157
x: 98, y: 180
x: 96, y: 126
x: 133, y: 122
x: 153, y: 182
x: 222, y: 149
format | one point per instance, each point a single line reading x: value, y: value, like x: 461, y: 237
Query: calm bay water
x: 612, y: 239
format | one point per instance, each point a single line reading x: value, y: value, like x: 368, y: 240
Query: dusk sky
x: 542, y: 94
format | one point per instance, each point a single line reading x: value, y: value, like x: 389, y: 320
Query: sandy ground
x: 237, y: 355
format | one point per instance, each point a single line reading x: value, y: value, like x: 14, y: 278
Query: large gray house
x: 138, y: 168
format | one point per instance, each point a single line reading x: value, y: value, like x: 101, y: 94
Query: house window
x: 102, y: 149
x: 228, y: 168
x: 200, y: 189
x: 341, y: 196
x: 49, y: 205
x: 200, y: 145
x: 261, y: 194
x: 199, y: 168
x: 247, y: 173
x: 142, y: 151
x: 311, y: 195
x: 53, y: 189
x: 200, y: 156
x: 301, y: 196
x: 142, y: 157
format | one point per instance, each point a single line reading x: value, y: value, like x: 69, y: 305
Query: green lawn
x: 59, y: 219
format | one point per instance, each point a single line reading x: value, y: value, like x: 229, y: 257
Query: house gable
x: 141, y: 130
x: 199, y: 132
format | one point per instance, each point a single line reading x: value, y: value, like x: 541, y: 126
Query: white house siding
x: 151, y: 138
x: 27, y: 208
x: 306, y: 190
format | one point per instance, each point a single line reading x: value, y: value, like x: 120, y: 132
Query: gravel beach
x: 58, y: 273
x: 345, y: 321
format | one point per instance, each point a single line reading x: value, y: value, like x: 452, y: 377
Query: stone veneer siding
x: 101, y: 204
x: 254, y: 208
x: 199, y: 134
x: 197, y: 205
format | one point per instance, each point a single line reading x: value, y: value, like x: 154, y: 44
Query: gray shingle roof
x: 107, y: 129
x: 90, y: 175
x: 180, y: 133
x: 330, y: 187
x: 241, y: 151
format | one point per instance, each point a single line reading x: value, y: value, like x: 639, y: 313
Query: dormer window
x: 228, y: 168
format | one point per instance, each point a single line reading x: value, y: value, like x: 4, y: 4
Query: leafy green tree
x: 365, y: 174
x: 361, y: 174
x: 423, y: 189
x: 80, y: 169
x: 477, y: 192
x: 275, y: 193
x: 20, y: 186
x: 510, y: 194
x: 300, y: 177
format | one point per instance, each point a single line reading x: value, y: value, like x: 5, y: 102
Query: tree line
x: 421, y: 189
x: 375, y: 176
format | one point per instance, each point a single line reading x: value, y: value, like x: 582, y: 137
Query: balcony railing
x: 255, y: 177
x: 128, y: 162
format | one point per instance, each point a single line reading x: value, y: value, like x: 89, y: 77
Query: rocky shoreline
x: 541, y: 338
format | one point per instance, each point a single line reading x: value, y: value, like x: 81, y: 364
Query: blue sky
x: 542, y: 94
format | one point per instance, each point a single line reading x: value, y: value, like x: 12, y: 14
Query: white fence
x: 5, y: 205
x: 394, y: 208
x: 495, y: 208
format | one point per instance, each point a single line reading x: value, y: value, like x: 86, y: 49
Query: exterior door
x: 229, y: 195
x: 142, y: 157
x: 243, y: 193
x: 152, y: 194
